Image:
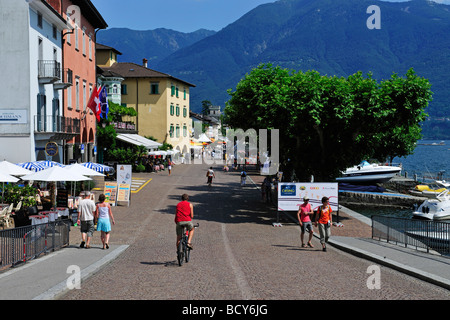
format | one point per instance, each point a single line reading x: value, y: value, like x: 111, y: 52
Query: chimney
x: 144, y: 62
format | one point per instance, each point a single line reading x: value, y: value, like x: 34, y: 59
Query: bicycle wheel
x: 180, y: 253
x: 187, y: 253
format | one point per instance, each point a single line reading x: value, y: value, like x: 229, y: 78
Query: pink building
x: 79, y: 61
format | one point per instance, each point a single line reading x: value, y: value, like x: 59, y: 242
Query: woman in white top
x: 103, y: 214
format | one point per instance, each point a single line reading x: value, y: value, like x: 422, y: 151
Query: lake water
x: 427, y: 159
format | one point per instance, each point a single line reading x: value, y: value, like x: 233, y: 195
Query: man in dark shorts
x: 210, y: 174
x: 183, y: 217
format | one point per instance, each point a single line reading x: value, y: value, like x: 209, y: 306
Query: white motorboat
x: 365, y: 173
x: 434, y: 209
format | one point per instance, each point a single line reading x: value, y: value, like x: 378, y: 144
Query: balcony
x: 57, y: 127
x: 49, y: 71
x: 66, y: 80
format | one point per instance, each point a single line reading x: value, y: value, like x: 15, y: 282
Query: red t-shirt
x: 303, y: 209
x: 183, y: 212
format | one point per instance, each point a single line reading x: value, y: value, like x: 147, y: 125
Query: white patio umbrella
x: 13, y: 169
x: 203, y: 138
x: 85, y: 171
x: 157, y: 153
x: 54, y: 174
x: 172, y: 152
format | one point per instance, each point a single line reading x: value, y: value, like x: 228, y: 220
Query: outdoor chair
x: 3, y: 220
x: 19, y: 205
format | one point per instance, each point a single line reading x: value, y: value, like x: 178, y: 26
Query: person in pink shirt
x: 303, y: 216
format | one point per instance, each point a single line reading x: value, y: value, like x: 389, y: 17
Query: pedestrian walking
x: 268, y: 188
x: 323, y: 221
x: 86, y: 211
x: 210, y: 175
x: 303, y: 215
x: 169, y: 166
x: 243, y: 177
x: 104, y: 216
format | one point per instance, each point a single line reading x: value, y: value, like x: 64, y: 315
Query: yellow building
x: 161, y: 101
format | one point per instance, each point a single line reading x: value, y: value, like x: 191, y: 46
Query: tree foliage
x: 329, y: 123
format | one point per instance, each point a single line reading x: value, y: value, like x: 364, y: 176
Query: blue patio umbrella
x: 49, y: 164
x: 96, y: 166
x: 33, y: 166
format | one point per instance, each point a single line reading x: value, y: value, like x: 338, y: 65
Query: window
x: 39, y: 21
x: 172, y: 109
x: 184, y: 93
x: 90, y: 47
x: 184, y: 131
x: 177, y: 111
x: 184, y: 112
x: 171, y: 131
x: 177, y: 134
x: 77, y: 93
x: 154, y: 88
x: 68, y: 34
x: 83, y: 42
x: 115, y: 90
x: 69, y: 98
x: 176, y: 90
x: 124, y: 89
x: 172, y: 90
x: 55, y: 32
x: 84, y: 94
x: 75, y: 34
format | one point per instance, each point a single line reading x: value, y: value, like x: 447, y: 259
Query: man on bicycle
x: 183, y: 217
x: 210, y: 174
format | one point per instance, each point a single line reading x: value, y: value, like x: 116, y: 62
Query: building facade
x: 161, y: 101
x: 79, y: 57
x: 32, y: 124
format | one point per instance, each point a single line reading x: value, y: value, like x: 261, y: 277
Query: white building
x: 32, y: 77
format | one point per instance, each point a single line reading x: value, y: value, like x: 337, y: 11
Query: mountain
x: 154, y: 45
x: 329, y: 36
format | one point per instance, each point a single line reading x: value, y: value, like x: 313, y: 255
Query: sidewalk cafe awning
x: 138, y: 140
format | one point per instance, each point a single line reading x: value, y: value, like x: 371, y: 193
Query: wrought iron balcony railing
x: 56, y: 124
x: 49, y: 71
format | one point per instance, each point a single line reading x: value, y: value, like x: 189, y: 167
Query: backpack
x: 243, y: 174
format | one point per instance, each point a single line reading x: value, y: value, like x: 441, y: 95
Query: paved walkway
x: 227, y: 258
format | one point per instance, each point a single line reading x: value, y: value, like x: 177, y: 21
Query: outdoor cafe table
x: 52, y: 215
x: 62, y: 211
x: 38, y: 219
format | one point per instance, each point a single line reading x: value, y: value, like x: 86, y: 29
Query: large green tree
x: 330, y: 123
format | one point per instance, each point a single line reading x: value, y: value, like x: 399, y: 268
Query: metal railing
x: 424, y: 234
x: 57, y: 124
x: 21, y: 244
x: 49, y: 69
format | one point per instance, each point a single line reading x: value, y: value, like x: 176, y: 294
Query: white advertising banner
x: 290, y: 195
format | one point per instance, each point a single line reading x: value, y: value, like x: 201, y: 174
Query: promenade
x: 238, y: 254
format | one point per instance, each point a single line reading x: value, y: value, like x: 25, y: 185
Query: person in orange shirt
x: 323, y: 221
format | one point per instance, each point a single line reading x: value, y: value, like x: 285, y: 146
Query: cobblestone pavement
x: 237, y: 254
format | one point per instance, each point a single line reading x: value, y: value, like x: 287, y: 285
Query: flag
x: 104, y: 104
x: 94, y: 103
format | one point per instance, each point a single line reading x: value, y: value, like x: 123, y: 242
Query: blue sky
x: 179, y: 15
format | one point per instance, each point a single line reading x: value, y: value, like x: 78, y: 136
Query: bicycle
x: 184, y: 252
